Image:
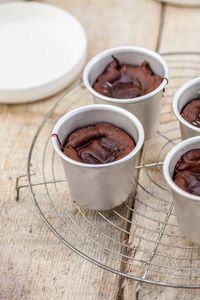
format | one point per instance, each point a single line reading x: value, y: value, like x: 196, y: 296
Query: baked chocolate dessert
x: 191, y: 112
x: 124, y: 81
x: 98, y: 144
x: 187, y: 172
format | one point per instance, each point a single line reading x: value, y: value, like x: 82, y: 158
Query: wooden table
x: 33, y: 263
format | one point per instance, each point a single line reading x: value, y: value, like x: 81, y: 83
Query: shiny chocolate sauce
x: 124, y: 81
x: 98, y: 144
x: 187, y: 172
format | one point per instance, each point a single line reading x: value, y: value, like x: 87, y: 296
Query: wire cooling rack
x: 140, y: 239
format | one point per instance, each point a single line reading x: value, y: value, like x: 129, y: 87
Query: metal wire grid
x: 140, y: 239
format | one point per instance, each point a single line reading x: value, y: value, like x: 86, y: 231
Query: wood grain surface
x: 33, y: 263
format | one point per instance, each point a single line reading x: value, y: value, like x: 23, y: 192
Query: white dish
x: 182, y: 2
x: 43, y: 49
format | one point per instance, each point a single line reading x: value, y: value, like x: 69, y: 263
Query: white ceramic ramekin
x: 188, y: 91
x: 146, y: 108
x: 187, y: 206
x: 99, y: 187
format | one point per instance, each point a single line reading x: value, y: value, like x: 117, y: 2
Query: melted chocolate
x: 187, y: 172
x: 99, y: 144
x: 124, y: 81
x: 191, y: 112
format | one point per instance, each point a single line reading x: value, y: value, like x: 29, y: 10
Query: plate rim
x: 177, y: 3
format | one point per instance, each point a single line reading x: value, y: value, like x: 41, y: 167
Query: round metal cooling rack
x: 140, y: 239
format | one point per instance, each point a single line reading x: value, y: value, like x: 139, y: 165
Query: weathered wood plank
x: 180, y: 29
x: 179, y: 33
x: 108, y: 24
x: 34, y: 264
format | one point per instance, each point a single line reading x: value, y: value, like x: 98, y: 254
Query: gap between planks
x: 123, y: 281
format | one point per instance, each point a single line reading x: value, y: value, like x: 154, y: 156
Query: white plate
x: 182, y: 2
x: 42, y: 50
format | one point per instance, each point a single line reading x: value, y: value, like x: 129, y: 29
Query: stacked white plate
x: 43, y: 49
x: 182, y: 2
